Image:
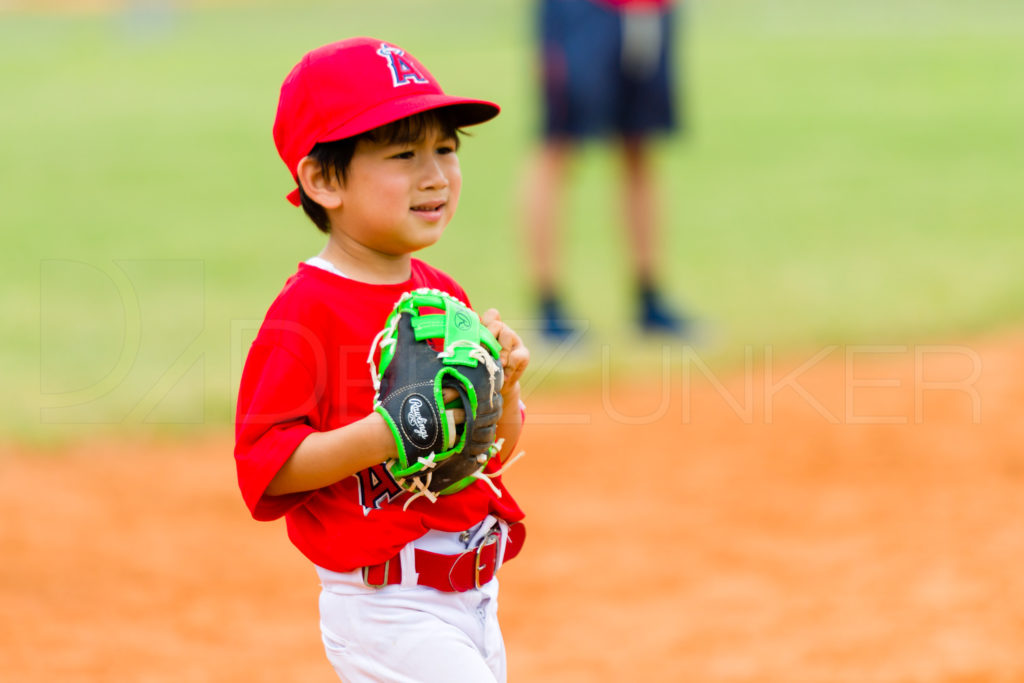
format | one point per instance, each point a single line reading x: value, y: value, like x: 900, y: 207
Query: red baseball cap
x: 352, y: 86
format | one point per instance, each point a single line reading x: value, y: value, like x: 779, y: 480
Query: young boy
x: 407, y: 594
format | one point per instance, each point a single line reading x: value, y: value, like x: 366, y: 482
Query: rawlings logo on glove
x: 418, y: 423
x: 436, y: 456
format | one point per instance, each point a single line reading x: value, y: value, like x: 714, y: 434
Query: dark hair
x: 335, y: 156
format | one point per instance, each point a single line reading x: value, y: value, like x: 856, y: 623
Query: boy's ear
x: 324, y: 189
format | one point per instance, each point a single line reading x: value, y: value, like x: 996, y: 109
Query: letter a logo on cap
x: 402, y: 70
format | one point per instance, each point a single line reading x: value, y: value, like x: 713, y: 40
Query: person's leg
x: 414, y: 635
x: 642, y: 222
x: 544, y: 196
x: 648, y: 110
x: 544, y: 190
x: 640, y: 206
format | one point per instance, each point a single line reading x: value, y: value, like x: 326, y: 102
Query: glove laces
x: 420, y: 484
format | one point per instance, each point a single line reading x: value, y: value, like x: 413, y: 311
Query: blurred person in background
x: 607, y: 74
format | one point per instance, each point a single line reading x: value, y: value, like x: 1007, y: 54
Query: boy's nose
x: 434, y: 174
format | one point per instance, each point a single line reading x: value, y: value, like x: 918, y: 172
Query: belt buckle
x: 366, y: 575
x: 492, y: 539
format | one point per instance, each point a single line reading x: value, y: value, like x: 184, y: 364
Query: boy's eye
x: 446, y: 149
x: 407, y: 154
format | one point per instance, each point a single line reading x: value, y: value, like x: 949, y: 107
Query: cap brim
x: 467, y: 113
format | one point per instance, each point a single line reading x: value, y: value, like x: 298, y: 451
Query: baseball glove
x: 431, y: 341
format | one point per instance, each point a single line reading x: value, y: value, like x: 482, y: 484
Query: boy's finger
x: 518, y: 360
x: 492, y: 321
x: 458, y: 415
x: 489, y: 317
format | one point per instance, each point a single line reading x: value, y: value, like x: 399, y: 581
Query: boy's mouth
x: 429, y: 206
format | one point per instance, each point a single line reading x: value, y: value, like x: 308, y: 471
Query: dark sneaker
x: 657, y: 318
x: 554, y: 325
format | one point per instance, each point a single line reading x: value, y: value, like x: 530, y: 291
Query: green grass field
x: 851, y: 173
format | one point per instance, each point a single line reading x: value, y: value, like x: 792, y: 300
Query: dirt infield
x: 856, y: 514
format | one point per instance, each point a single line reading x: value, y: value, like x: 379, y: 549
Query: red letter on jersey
x: 375, y: 485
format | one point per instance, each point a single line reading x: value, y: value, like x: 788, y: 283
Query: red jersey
x: 307, y: 371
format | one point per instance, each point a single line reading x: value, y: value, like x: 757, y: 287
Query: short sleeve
x: 277, y: 399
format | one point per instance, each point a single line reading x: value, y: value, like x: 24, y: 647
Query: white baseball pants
x: 411, y: 634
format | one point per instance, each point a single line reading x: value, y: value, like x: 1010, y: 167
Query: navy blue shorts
x: 606, y: 72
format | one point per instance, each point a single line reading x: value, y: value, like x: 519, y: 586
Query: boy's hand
x: 442, y: 444
x: 514, y: 354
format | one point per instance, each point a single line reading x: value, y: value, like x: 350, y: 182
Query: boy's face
x: 398, y: 198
